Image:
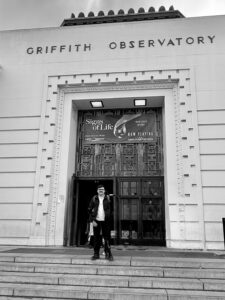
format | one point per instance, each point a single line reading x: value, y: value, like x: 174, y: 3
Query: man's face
x: 101, y: 191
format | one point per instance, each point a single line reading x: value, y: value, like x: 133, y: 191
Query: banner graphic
x: 129, y: 128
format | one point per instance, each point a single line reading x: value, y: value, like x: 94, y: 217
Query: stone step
x: 178, y: 262
x: 113, y: 281
x: 113, y: 270
x: 165, y: 262
x: 18, y: 291
x: 81, y: 269
x: 194, y: 273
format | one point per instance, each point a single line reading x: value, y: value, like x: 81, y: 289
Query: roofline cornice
x: 131, y: 16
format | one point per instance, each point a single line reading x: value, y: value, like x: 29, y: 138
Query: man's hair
x: 100, y: 186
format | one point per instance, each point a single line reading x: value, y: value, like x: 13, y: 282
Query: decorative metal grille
x: 129, y: 163
x: 105, y: 160
x: 125, y: 159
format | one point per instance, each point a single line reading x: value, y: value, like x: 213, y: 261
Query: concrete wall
x: 30, y: 80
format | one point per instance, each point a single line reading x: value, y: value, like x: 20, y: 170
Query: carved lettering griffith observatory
x: 165, y: 42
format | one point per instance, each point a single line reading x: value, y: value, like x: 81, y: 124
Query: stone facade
x: 47, y: 75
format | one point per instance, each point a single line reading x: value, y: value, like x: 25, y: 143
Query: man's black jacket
x: 93, y: 208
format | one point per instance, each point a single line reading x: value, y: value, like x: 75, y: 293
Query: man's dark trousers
x: 102, y: 230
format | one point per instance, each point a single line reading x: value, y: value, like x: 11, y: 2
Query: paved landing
x: 120, y: 251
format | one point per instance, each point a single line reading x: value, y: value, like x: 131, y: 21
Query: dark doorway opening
x: 84, y: 191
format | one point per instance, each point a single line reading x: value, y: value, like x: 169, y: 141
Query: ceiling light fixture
x: 96, y: 104
x: 139, y: 102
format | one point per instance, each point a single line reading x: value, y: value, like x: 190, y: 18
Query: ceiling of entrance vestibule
x: 108, y: 103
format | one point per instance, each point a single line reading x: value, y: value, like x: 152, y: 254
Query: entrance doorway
x: 123, y: 150
x: 137, y: 206
x: 85, y: 189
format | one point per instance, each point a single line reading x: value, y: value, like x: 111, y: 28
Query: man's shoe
x: 110, y: 258
x: 94, y: 257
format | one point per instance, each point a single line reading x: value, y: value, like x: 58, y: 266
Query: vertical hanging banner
x: 133, y: 128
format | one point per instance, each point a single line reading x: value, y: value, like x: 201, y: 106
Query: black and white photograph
x: 112, y: 149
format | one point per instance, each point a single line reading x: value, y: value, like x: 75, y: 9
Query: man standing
x: 99, y: 214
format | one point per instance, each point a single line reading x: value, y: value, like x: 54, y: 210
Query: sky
x: 23, y: 14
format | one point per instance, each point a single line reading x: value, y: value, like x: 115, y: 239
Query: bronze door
x: 128, y: 203
x: 152, y: 215
x: 141, y: 211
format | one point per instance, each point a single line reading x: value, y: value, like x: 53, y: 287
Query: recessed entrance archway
x: 124, y: 150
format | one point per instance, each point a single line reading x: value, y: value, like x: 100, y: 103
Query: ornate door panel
x: 120, y: 159
x: 128, y: 209
x: 141, y: 211
x: 152, y: 213
x: 128, y: 160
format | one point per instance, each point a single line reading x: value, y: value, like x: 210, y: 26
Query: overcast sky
x: 20, y: 14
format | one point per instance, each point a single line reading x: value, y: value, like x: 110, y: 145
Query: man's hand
x: 94, y: 224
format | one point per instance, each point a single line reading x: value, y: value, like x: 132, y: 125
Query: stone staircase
x: 54, y: 276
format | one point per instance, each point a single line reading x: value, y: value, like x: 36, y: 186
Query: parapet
x: 121, y: 16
